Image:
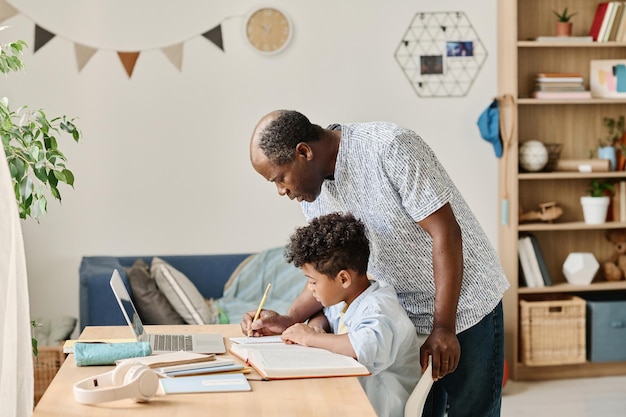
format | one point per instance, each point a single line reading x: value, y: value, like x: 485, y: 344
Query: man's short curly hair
x: 279, y: 138
x: 330, y: 243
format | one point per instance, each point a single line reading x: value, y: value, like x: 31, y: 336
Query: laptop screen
x: 126, y: 304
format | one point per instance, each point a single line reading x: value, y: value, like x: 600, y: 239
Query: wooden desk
x: 297, y: 398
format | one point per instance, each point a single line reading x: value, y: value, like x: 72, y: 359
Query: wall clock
x: 268, y: 30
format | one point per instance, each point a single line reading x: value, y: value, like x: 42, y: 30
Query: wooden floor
x: 579, y: 397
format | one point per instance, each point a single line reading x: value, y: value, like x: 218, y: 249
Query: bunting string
x: 83, y: 53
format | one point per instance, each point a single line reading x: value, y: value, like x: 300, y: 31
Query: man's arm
x: 447, y: 254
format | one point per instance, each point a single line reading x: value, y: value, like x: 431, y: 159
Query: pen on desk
x: 258, y: 311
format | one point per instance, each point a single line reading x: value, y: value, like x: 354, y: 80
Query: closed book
x: 534, y: 262
x: 543, y: 267
x: 558, y: 87
x: 564, y: 39
x: 605, y: 21
x: 583, y: 165
x: 616, y: 21
x: 562, y: 95
x: 597, y: 20
x: 622, y: 201
x: 524, y: 260
x: 205, y: 383
x: 559, y: 75
x: 563, y: 79
x: 621, y: 29
x: 615, y: 206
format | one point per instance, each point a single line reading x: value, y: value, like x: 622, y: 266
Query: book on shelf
x: 564, y: 39
x: 583, y: 165
x: 621, y: 29
x: 290, y: 361
x: 562, y: 95
x: 539, y: 86
x: 524, y: 261
x: 610, y: 17
x: 597, y: 20
x: 559, y: 77
x: 533, y: 261
x: 619, y: 11
x: 605, y: 21
x: 543, y: 266
x: 205, y: 383
x: 622, y: 201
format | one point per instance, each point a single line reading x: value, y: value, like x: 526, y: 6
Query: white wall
x: 163, y: 167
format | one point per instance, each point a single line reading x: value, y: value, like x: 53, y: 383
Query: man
x: 425, y: 242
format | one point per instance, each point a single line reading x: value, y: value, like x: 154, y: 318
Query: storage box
x: 553, y: 331
x: 606, y: 329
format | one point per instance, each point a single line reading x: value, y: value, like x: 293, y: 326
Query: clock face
x: 268, y: 30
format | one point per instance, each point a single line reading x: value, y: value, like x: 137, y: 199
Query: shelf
x: 568, y: 44
x: 569, y: 288
x: 569, y: 175
x: 588, y: 101
x: 552, y: 227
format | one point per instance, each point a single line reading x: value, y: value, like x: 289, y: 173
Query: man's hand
x: 269, y: 323
x: 444, y: 347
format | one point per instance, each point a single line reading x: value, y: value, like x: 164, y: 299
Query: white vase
x: 595, y: 209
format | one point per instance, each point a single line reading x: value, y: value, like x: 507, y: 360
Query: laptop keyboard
x: 171, y: 342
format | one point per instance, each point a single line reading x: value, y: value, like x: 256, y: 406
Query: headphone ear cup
x: 119, y: 373
x: 144, y: 379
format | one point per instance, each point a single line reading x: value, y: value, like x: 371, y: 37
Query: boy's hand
x: 299, y: 333
x: 269, y: 323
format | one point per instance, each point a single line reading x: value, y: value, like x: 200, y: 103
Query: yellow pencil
x: 258, y: 311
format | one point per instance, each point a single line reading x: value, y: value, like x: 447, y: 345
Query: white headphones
x: 127, y: 380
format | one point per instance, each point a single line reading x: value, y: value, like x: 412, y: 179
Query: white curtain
x: 16, y: 368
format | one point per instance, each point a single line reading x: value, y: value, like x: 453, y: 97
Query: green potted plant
x: 563, y: 24
x: 30, y: 144
x: 596, y: 204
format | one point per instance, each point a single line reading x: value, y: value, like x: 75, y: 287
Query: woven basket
x: 553, y: 331
x: 46, y: 366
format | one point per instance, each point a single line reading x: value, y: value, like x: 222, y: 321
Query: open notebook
x: 286, y: 361
x: 202, y: 343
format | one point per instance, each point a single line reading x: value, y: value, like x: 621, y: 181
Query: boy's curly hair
x: 330, y: 243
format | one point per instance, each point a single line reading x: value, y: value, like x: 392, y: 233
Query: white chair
x: 415, y: 404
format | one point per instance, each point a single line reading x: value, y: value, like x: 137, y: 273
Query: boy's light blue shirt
x: 385, y: 341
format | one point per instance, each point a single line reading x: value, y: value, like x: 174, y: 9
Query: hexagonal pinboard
x: 441, y: 54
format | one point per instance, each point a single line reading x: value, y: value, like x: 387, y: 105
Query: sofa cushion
x: 245, y: 288
x: 152, y: 305
x: 181, y: 293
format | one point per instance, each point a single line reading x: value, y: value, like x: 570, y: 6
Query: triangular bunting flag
x: 128, y: 60
x: 83, y: 55
x: 215, y: 36
x: 175, y: 54
x: 42, y: 37
x: 6, y: 11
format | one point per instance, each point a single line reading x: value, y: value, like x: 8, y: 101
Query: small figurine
x: 548, y: 212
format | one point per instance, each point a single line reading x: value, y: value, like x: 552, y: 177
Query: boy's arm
x: 305, y: 335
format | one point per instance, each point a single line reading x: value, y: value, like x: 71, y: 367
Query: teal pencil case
x: 86, y: 354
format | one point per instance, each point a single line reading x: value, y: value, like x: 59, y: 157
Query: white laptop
x: 201, y: 343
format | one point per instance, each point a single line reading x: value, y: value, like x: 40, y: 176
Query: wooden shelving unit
x: 577, y: 125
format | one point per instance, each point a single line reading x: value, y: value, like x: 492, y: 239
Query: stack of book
x: 609, y: 22
x: 533, y: 269
x: 557, y: 85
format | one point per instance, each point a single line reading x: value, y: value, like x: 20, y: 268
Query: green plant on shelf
x: 598, y: 188
x: 564, y: 16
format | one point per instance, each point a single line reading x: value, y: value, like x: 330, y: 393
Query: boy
x: 365, y: 317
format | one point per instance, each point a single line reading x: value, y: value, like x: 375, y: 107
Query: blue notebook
x: 205, y: 383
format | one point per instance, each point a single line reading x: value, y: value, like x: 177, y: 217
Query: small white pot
x: 595, y: 209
